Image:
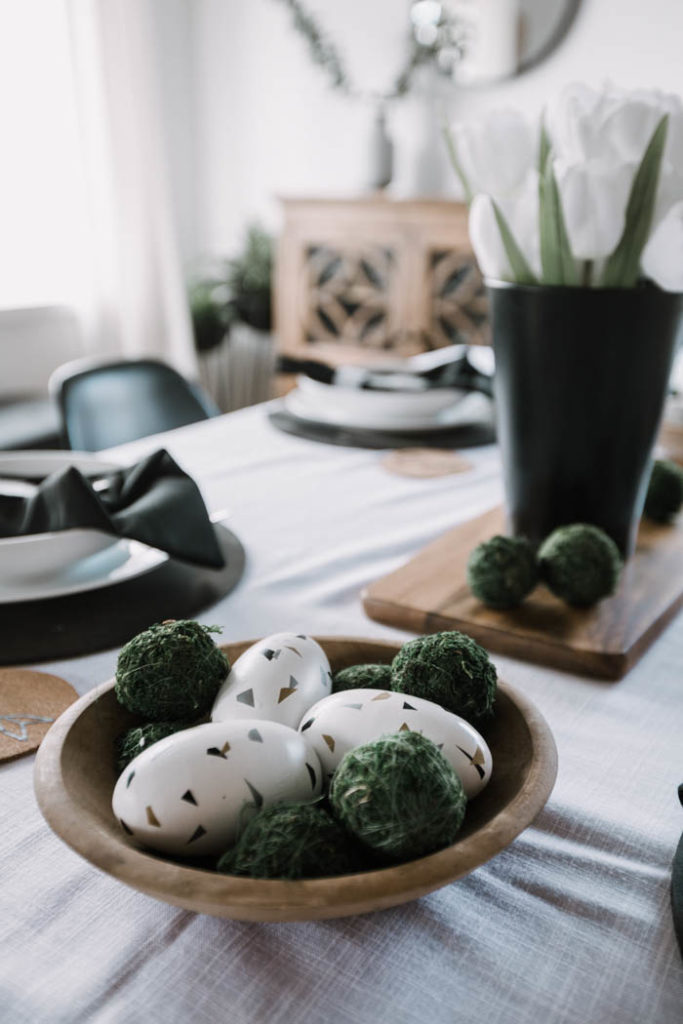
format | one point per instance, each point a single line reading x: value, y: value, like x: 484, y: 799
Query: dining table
x: 569, y: 923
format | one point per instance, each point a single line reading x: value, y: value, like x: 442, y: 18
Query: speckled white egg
x: 279, y: 679
x: 350, y: 718
x: 186, y: 794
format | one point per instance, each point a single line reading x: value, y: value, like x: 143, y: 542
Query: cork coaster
x: 425, y: 462
x: 29, y: 703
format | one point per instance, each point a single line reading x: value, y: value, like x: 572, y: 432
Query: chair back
x: 110, y: 403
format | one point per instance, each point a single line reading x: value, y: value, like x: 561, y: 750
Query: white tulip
x: 610, y: 123
x: 486, y: 240
x: 521, y: 214
x: 597, y: 138
x: 670, y: 190
x: 628, y: 128
x: 496, y: 152
x: 594, y: 195
x: 573, y: 120
x: 662, y: 259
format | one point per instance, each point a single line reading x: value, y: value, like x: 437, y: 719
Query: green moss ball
x: 376, y: 677
x: 450, y: 669
x: 665, y: 491
x: 502, y: 571
x: 291, y: 841
x: 399, y: 796
x: 171, y: 671
x: 132, y: 742
x: 580, y: 564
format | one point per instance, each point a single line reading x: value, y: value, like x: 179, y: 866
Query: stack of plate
x: 401, y: 411
x: 45, y: 565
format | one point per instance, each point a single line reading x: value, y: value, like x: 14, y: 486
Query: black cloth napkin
x: 153, y: 501
x: 454, y: 371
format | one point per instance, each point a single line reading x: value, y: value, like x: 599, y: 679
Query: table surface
x: 571, y: 923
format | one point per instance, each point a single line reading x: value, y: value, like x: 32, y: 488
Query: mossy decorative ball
x: 376, y: 677
x: 399, y: 796
x: 172, y: 670
x: 580, y: 564
x: 132, y: 742
x: 502, y: 571
x: 291, y: 841
x: 450, y: 669
x: 665, y: 491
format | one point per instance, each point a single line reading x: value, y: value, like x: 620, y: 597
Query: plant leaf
x: 457, y: 166
x: 623, y: 266
x: 558, y: 266
x: 543, y: 150
x: 523, y: 274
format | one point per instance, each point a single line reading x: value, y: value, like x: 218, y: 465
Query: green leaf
x: 543, y: 150
x: 558, y: 266
x: 623, y: 266
x: 522, y: 272
x: 457, y: 166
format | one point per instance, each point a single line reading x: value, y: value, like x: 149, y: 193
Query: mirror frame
x: 563, y: 26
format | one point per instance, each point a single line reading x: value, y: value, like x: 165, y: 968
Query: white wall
x: 268, y: 124
x: 173, y: 24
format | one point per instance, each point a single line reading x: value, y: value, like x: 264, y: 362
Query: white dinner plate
x: 122, y: 560
x: 468, y: 407
x: 385, y: 408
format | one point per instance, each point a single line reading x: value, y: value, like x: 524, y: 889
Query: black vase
x: 580, y: 383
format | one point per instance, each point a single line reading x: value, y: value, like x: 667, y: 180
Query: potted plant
x: 235, y: 302
x: 248, y: 278
x: 578, y: 230
x: 209, y: 313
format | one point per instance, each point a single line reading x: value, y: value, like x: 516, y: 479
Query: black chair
x: 104, y: 404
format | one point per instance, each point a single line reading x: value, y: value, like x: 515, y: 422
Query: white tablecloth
x: 571, y: 923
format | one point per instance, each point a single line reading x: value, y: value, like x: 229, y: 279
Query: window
x: 42, y: 209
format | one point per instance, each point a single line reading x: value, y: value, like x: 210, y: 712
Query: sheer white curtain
x: 137, y: 302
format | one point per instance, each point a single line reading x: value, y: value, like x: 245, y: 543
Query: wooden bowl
x: 75, y: 777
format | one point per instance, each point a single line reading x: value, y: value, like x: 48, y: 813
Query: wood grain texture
x: 412, y: 230
x: 75, y: 777
x: 430, y: 594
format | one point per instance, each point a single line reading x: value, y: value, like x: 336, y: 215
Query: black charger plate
x: 469, y: 435
x: 96, y: 620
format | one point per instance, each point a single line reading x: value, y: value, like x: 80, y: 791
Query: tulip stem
x: 457, y: 166
x: 587, y: 274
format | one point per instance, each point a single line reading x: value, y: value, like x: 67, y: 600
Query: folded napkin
x: 153, y: 501
x: 450, y: 367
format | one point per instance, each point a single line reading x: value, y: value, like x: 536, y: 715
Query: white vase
x: 421, y: 167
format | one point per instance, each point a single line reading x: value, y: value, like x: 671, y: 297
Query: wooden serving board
x: 430, y: 594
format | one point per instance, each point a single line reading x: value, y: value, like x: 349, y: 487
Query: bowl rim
x: 49, y: 537
x: 278, y: 899
x: 427, y: 396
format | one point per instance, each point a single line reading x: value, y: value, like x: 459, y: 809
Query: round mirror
x: 480, y: 41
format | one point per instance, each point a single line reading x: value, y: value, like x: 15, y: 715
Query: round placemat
x: 65, y: 627
x: 425, y: 463
x: 30, y: 702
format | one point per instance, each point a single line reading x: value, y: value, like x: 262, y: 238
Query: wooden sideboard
x: 362, y: 278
